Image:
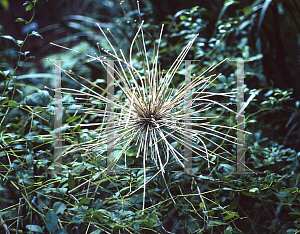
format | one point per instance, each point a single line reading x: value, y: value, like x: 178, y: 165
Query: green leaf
x: 263, y: 12
x: 77, y: 129
x: 248, y: 193
x: 5, y: 73
x: 51, y: 221
x: 29, y: 7
x: 148, y: 222
x: 34, y: 33
x: 230, y: 215
x: 98, y: 215
x: 35, y: 228
x: 256, y: 57
x: 98, y: 231
x: 71, y: 182
x: 9, y: 38
x: 41, y: 98
x: 217, y: 223
x: 253, y: 190
x: 21, y: 20
x: 228, y: 230
x: 233, y: 205
x: 294, y: 213
x: 5, y: 4
x: 10, y: 103
x: 183, y: 17
x: 59, y: 207
x: 20, y: 42
x: 291, y: 231
x: 98, y: 203
x: 230, y: 2
x: 72, y: 119
x: 84, y: 201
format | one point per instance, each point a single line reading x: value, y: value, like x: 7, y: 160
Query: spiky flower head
x: 151, y: 115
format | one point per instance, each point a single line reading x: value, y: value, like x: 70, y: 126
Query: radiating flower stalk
x: 152, y: 115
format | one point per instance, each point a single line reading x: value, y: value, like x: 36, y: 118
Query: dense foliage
x: 37, y: 197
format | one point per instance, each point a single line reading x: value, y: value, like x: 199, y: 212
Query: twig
x: 202, y: 200
x: 19, y: 208
x: 4, y: 225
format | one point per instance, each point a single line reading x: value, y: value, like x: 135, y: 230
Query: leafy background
x: 36, y: 199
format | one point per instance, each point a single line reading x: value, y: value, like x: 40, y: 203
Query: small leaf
x: 256, y: 57
x: 9, y: 38
x: 20, y: 42
x: 72, y: 119
x: 268, y: 93
x: 183, y: 17
x: 5, y: 73
x: 21, y: 20
x: 98, y: 203
x: 29, y: 7
x: 253, y: 190
x: 71, y: 181
x: 59, y: 207
x: 84, y: 201
x: 228, y: 230
x: 230, y: 215
x: 291, y: 231
x: 34, y: 33
x: 35, y: 228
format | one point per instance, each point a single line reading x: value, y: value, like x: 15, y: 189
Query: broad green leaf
x: 51, y: 221
x: 41, y: 98
x: 29, y: 7
x: 35, y: 228
x: 59, y: 207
